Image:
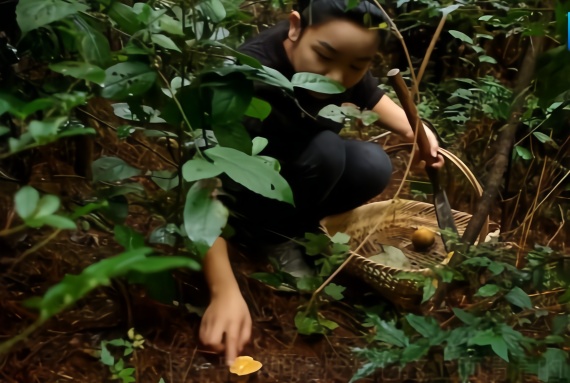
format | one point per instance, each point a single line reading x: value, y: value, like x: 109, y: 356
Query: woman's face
x: 338, y: 49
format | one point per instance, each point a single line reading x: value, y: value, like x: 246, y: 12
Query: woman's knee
x: 325, y: 155
x: 372, y: 166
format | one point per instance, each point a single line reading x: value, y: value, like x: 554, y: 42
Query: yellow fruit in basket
x: 423, y: 238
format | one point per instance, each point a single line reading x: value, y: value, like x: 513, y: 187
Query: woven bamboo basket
x: 392, y: 223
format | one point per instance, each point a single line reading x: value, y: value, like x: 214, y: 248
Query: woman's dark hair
x: 366, y: 13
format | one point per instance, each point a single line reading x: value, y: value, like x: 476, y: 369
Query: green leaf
x: 4, y: 130
x: 258, y: 109
x: 488, y: 290
x: 230, y: 101
x: 198, y: 169
x: 485, y: 18
x: 252, y: 172
x: 524, y: 153
x: 429, y: 289
x: 270, y: 279
x: 308, y: 284
x: 307, y: 325
x: 165, y: 42
x: 487, y: 59
x: 112, y: 169
x: 204, y: 215
x: 106, y: 357
x: 55, y: 221
x: 243, y: 58
x: 213, y: 9
x: 26, y: 200
x: 81, y: 70
x: 47, y: 205
x: 125, y: 17
x: 32, y: 14
x: 450, y: 8
x: 496, y: 341
x: 425, y: 326
x: 415, y: 351
x: 519, y: 298
x: 128, y: 237
x: 233, y: 136
x: 387, y: 332
x: 259, y: 143
x: 74, y: 287
x: 333, y: 112
x: 46, y: 130
x: 461, y: 36
x: 464, y: 316
x: 542, y: 137
x: 316, y: 243
x: 335, y: 291
x: 127, y: 79
x: 316, y: 83
x: 93, y: 45
x: 165, y: 179
x: 341, y: 238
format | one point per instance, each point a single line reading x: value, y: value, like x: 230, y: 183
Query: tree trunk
x: 504, y: 143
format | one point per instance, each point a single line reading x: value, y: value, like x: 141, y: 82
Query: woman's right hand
x: 226, y: 324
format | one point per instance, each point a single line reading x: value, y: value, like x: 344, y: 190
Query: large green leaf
x: 234, y: 136
x: 164, y: 41
x: 112, y: 169
x: 213, y: 9
x: 93, y: 45
x: 198, y: 169
x: 125, y: 17
x: 231, y: 100
x: 204, y: 215
x: 258, y: 109
x: 32, y: 14
x: 81, y: 70
x: 252, y: 172
x: 519, y: 298
x: 316, y: 83
x: 127, y: 79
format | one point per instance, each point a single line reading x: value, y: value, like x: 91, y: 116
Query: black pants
x: 332, y: 175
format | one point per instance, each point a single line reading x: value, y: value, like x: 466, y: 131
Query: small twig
x: 35, y: 248
x: 559, y: 227
x: 396, y: 31
x: 429, y: 51
x: 167, y: 160
x: 520, y: 256
x: 15, y: 229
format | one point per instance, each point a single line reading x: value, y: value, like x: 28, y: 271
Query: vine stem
x: 15, y: 229
x: 179, y: 106
x: 7, y: 345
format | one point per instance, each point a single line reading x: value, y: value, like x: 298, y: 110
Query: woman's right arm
x: 226, y: 325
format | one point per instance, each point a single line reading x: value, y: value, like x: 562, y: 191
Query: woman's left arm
x: 394, y: 119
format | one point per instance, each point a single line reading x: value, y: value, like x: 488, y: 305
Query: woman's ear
x: 294, y: 26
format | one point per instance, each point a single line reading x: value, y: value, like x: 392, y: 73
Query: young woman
x: 328, y: 174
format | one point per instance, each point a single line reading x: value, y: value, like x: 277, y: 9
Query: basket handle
x: 463, y: 169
